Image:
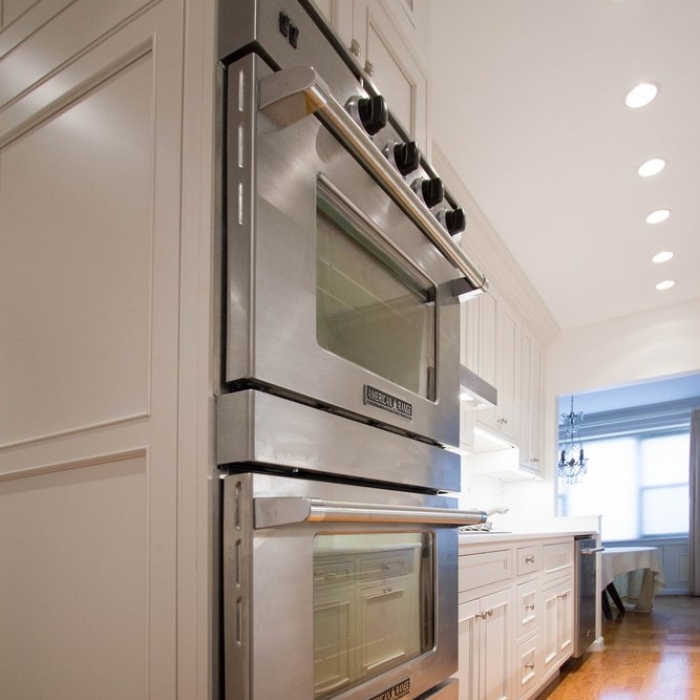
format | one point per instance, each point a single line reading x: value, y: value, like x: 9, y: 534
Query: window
x: 638, y: 482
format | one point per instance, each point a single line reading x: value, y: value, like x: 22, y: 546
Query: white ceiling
x: 528, y: 105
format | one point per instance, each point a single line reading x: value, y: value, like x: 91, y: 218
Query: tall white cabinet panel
x: 90, y: 216
x: 76, y: 234
x: 74, y: 583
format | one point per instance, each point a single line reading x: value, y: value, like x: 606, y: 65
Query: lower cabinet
x: 557, y: 635
x: 484, y: 654
x: 516, y: 614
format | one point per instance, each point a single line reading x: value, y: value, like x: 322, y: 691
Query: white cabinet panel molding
x: 76, y: 593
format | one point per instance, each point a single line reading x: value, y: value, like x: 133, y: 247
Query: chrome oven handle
x: 288, y: 510
x: 593, y: 550
x: 292, y: 94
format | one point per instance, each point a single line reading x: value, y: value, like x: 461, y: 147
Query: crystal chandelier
x: 572, y: 462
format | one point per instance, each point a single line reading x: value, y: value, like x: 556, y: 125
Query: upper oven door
x: 334, y: 294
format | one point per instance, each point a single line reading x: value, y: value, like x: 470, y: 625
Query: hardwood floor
x: 654, y: 656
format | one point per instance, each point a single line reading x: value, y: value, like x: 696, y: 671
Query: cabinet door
x: 388, y: 625
x: 498, y: 361
x: 531, y: 402
x: 334, y: 639
x: 470, y: 657
x: 496, y: 645
x: 508, y: 369
x: 485, y: 647
x: 557, y: 640
x: 392, y: 65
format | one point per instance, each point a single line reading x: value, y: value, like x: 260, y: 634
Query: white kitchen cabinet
x: 484, y: 647
x: 104, y: 277
x: 491, y: 348
x: 515, y: 615
x: 531, y: 403
x: 557, y: 632
x: 389, y: 39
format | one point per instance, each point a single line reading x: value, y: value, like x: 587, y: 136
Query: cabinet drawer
x: 529, y: 560
x: 558, y: 559
x: 527, y: 610
x: 334, y: 570
x: 528, y: 673
x: 386, y: 565
x: 482, y: 569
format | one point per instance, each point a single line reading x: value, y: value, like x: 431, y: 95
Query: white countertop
x: 495, y: 537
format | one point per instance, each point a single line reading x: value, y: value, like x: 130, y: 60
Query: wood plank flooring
x: 653, y: 656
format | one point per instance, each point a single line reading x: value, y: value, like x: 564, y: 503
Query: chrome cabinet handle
x: 530, y: 606
x: 530, y: 559
x: 294, y: 93
x: 288, y: 510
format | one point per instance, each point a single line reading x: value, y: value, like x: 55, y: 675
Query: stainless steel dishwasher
x: 585, y: 600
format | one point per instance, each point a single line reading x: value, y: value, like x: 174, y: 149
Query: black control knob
x: 454, y: 220
x: 406, y: 157
x: 432, y: 191
x: 373, y: 114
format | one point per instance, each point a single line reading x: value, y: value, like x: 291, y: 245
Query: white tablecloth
x: 615, y: 561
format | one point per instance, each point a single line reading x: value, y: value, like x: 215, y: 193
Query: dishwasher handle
x: 289, y: 510
x: 294, y: 93
x: 592, y: 550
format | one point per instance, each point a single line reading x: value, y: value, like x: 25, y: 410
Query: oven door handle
x: 294, y: 93
x: 288, y: 510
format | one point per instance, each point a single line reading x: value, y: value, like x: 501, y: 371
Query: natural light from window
x: 638, y: 483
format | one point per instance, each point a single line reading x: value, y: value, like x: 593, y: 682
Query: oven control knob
x: 454, y: 220
x: 431, y: 191
x: 373, y: 114
x: 405, y: 156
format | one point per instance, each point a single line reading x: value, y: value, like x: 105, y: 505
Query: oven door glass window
x: 374, y: 605
x: 373, y: 307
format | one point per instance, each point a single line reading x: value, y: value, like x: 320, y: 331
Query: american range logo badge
x: 397, y: 691
x: 387, y: 402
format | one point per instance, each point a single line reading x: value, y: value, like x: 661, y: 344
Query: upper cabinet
x: 389, y: 39
x: 491, y: 349
x: 501, y: 348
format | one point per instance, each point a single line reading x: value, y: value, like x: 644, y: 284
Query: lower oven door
x: 336, y: 591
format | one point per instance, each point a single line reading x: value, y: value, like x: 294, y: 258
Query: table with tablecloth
x: 616, y: 561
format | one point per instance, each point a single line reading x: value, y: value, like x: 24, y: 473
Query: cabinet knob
x: 369, y: 68
x: 355, y: 49
x: 530, y: 606
x: 530, y: 665
x: 530, y: 559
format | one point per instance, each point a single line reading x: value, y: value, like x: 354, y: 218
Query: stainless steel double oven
x: 341, y: 285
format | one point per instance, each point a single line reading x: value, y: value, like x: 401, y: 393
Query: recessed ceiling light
x: 652, y: 167
x: 664, y: 256
x: 666, y: 284
x: 641, y: 95
x: 656, y: 217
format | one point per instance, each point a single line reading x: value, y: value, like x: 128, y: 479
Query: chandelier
x: 572, y: 462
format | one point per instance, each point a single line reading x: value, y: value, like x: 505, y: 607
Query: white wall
x: 659, y: 343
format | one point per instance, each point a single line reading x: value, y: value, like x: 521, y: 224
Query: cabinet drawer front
x: 386, y: 565
x: 527, y: 610
x: 334, y: 570
x: 529, y: 560
x: 476, y: 570
x: 558, y: 559
x: 528, y: 673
